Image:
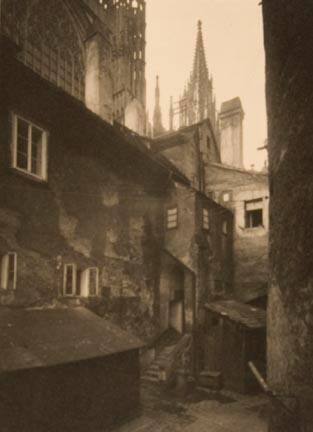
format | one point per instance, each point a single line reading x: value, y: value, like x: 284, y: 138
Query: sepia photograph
x: 156, y: 215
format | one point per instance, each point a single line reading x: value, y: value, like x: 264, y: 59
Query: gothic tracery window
x: 50, y: 42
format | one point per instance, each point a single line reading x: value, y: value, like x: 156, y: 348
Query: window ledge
x: 28, y: 175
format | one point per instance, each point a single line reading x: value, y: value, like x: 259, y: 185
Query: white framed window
x: 226, y: 196
x: 70, y: 280
x: 205, y: 219
x: 29, y: 147
x: 172, y: 218
x: 9, y: 271
x: 90, y: 282
x: 225, y: 227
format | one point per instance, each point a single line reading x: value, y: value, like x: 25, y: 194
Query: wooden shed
x: 65, y: 370
x: 233, y: 334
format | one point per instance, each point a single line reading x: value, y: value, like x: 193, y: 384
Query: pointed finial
x: 199, y: 25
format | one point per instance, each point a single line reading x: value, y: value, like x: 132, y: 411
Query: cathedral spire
x: 200, y: 70
x: 199, y: 95
x: 158, y: 128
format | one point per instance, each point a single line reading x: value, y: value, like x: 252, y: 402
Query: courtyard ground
x: 201, y: 411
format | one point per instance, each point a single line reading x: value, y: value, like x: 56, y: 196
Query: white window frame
x: 5, y: 263
x: 85, y: 282
x: 74, y: 279
x: 172, y: 218
x: 43, y: 176
x: 226, y: 196
x: 205, y: 219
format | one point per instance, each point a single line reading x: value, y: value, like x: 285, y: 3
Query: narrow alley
x: 200, y: 411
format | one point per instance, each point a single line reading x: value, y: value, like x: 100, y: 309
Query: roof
x: 143, y: 144
x: 239, y: 312
x: 231, y: 105
x: 32, y: 338
x: 252, y: 173
x: 178, y: 137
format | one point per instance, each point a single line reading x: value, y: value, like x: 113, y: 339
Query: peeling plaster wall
x: 96, y: 209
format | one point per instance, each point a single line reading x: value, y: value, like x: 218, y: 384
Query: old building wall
x: 97, y: 209
x: 214, y: 241
x: 288, y: 44
x: 235, y: 189
x: 180, y: 241
x: 184, y: 157
x: 192, y: 151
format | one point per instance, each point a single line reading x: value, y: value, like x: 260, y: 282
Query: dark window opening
x: 254, y: 213
x: 254, y: 218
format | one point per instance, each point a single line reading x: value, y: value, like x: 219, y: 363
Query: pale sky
x: 233, y: 39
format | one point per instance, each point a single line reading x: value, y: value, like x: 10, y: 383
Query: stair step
x: 152, y: 373
x: 154, y: 366
x: 149, y: 378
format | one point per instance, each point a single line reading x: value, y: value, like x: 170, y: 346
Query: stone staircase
x: 169, y: 350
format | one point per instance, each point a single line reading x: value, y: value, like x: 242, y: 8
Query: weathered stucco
x: 100, y: 208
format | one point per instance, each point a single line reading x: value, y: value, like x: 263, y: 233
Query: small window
x: 29, y: 148
x: 205, y: 219
x: 225, y: 227
x: 226, y: 196
x: 254, y: 213
x: 93, y: 281
x: 89, y: 284
x: 69, y: 280
x: 172, y: 218
x: 9, y: 271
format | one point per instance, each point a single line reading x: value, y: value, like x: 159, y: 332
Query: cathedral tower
x: 198, y: 102
x: 128, y: 61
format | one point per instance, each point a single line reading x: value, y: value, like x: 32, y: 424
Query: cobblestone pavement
x: 203, y: 411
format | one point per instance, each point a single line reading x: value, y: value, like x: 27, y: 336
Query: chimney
x: 231, y: 132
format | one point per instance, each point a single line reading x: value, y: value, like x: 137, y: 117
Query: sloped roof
x: 242, y: 313
x: 231, y: 105
x: 41, y: 338
x: 141, y: 144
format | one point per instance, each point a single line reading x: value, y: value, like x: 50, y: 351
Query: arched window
x: 51, y: 44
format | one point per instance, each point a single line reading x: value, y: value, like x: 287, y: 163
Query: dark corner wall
x: 288, y: 36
